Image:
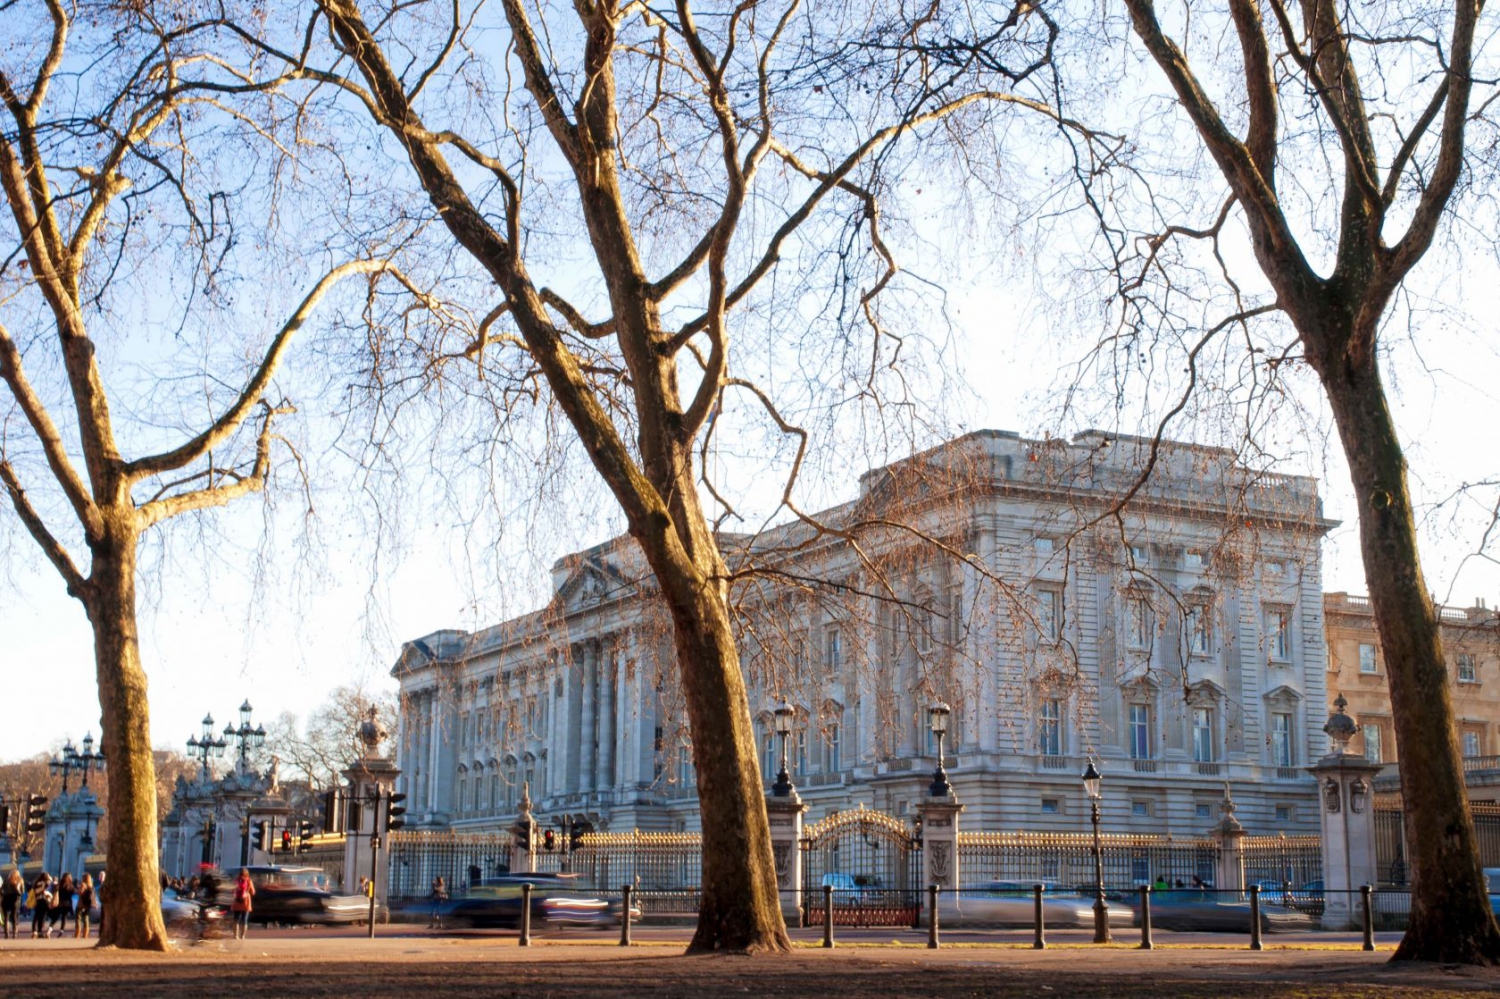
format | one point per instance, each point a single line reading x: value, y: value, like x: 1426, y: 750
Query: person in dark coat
x: 41, y: 904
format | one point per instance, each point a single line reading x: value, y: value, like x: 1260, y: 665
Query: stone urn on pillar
x: 368, y: 781
x: 523, y: 837
x: 1345, y: 807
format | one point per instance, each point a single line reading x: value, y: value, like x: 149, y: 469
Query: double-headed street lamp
x: 206, y: 747
x: 65, y: 765
x: 783, y: 787
x: 247, y: 738
x: 938, y: 718
x: 1091, y: 781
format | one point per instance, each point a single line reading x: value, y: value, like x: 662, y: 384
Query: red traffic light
x: 286, y: 840
x: 549, y: 840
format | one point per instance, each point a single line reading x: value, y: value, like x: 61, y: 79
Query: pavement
x: 406, y: 961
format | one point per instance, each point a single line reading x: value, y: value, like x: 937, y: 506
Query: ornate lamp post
x: 246, y: 737
x: 783, y: 787
x: 86, y: 761
x: 64, y: 765
x: 938, y: 715
x: 1091, y: 781
x: 206, y: 747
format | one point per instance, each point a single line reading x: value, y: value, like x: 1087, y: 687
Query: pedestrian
x: 62, y: 904
x: 244, y: 893
x: 439, y: 896
x: 40, y: 903
x: 1160, y: 884
x: 10, y: 903
x: 84, y: 913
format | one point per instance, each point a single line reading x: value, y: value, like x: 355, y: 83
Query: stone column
x: 1229, y: 870
x: 588, y: 737
x: 785, y: 815
x: 1345, y: 805
x: 605, y: 775
x: 939, y: 814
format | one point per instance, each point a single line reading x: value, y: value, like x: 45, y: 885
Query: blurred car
x: 1207, y: 912
x: 556, y: 900
x: 297, y: 895
x: 1492, y: 882
x: 1013, y: 903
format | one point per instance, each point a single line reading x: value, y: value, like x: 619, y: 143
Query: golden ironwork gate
x: 873, y: 864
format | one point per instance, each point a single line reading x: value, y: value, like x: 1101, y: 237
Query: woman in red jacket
x: 244, y: 892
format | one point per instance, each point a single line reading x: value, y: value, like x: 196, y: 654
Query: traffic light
x: 36, y: 813
x: 523, y: 835
x: 549, y: 841
x: 331, y: 811
x: 286, y: 841
x: 575, y: 835
x: 4, y: 820
x: 304, y: 833
x: 395, y: 811
x: 263, y: 836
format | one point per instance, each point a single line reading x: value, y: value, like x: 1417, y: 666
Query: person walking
x: 244, y: 894
x: 10, y: 903
x: 40, y: 901
x: 62, y: 904
x: 83, y: 914
x: 439, y: 896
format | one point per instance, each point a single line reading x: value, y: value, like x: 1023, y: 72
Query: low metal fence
x: 1067, y: 859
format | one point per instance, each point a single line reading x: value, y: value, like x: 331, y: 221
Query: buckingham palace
x: 1066, y: 606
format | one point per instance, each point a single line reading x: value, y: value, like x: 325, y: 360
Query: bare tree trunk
x: 740, y: 909
x: 1450, y: 912
x: 132, y: 886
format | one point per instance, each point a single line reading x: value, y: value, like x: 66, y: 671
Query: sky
x: 225, y: 617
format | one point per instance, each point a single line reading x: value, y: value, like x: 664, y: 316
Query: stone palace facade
x: 1171, y: 630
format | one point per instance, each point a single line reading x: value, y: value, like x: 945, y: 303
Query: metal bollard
x: 1040, y: 943
x: 932, y: 917
x: 525, y: 940
x: 1367, y: 917
x: 625, y: 916
x: 828, y: 916
x: 1146, y: 941
x: 1255, y: 943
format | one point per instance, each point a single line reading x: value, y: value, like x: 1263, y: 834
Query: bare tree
x: 660, y: 162
x: 1340, y: 207
x: 320, y: 748
x: 107, y: 169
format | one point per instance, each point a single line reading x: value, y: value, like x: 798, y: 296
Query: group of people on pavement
x: 49, y: 903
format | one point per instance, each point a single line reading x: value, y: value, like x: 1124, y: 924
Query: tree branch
x: 51, y: 547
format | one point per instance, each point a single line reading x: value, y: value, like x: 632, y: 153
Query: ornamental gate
x: 872, y: 862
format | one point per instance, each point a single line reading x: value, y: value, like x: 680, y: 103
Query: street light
x: 88, y: 759
x: 784, y: 712
x: 938, y: 713
x: 1091, y: 781
x: 247, y: 738
x: 206, y: 747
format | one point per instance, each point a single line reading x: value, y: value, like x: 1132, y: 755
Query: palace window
x: 1049, y: 728
x: 1140, y: 731
x: 1466, y: 670
x: 1367, y: 657
x: 1279, y: 633
x: 1199, y: 630
x: 1203, y: 735
x: 1372, y: 735
x: 1048, y: 607
x: 1281, y: 739
x: 1138, y: 621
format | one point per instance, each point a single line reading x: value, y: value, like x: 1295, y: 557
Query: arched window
x: 462, y: 802
x: 511, y: 793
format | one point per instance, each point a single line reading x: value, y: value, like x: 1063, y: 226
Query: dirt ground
x: 459, y: 969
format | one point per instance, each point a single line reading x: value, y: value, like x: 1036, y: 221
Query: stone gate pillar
x: 523, y: 859
x: 939, y: 814
x: 367, y: 781
x: 1229, y: 868
x: 784, y: 811
x: 1346, y: 794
